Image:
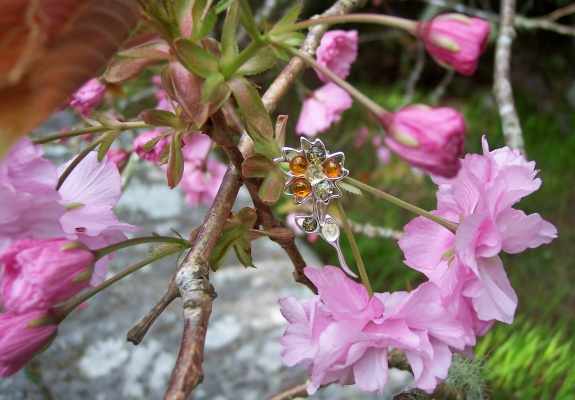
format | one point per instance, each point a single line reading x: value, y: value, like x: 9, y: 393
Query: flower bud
x: 455, y: 40
x: 427, y: 138
x: 40, y: 273
x: 88, y: 96
x: 22, y: 337
x: 118, y: 156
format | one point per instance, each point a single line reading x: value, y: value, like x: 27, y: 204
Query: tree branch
x: 192, y: 278
x: 502, y: 85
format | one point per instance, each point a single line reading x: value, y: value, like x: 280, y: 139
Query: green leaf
x: 106, y: 121
x: 229, y: 34
x: 157, y: 117
x: 289, y: 38
x: 249, y: 23
x: 212, y: 85
x: 195, y: 58
x: 223, y: 5
x: 153, y: 142
x: 184, y: 16
x: 175, y: 160
x: 349, y: 188
x: 257, y: 166
x: 186, y: 88
x: 281, y: 124
x: 107, y: 139
x: 281, y: 53
x: 264, y: 59
x: 273, y: 186
x: 289, y: 19
x: 253, y: 110
x: 155, y: 50
x: 204, y: 19
x: 244, y: 255
x: 269, y: 149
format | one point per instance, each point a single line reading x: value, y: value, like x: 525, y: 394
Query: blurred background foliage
x: 534, y: 358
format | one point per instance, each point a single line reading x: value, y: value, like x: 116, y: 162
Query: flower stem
x: 392, y: 199
x: 61, y: 312
x: 356, y: 94
x: 354, y: 248
x: 90, y: 129
x: 379, y: 19
x: 77, y: 161
x: 133, y: 242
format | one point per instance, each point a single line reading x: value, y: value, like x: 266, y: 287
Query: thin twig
x: 137, y: 333
x: 560, y: 12
x: 440, y: 89
x: 299, y: 390
x: 519, y: 21
x: 222, y: 135
x: 415, y: 74
x: 502, y: 85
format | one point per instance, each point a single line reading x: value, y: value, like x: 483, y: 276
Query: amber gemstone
x: 332, y: 168
x: 298, y: 165
x: 301, y: 188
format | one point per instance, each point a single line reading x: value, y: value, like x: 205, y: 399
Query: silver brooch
x: 313, y: 174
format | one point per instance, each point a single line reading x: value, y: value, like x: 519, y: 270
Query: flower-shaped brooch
x: 313, y: 174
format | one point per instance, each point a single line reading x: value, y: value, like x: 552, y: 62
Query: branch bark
x: 502, y: 85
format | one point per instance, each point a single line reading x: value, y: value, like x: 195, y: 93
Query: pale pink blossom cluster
x: 465, y: 265
x: 343, y: 335
x: 323, y: 107
x: 45, y: 237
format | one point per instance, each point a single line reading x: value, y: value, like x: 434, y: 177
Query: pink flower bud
x: 154, y: 154
x: 337, y: 51
x: 455, y: 40
x: 22, y: 337
x: 88, y: 96
x: 427, y: 138
x: 118, y: 156
x: 40, y: 273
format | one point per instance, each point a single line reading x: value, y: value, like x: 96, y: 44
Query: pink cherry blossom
x: 322, y: 108
x: 428, y: 138
x: 201, y: 183
x: 455, y: 40
x: 466, y: 264
x: 88, y: 96
x: 343, y: 335
x: 28, y: 195
x: 337, y: 51
x: 89, y: 193
x: 22, y: 337
x: 40, y: 273
x: 154, y: 154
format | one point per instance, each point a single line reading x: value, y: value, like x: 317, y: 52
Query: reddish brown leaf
x: 49, y: 48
